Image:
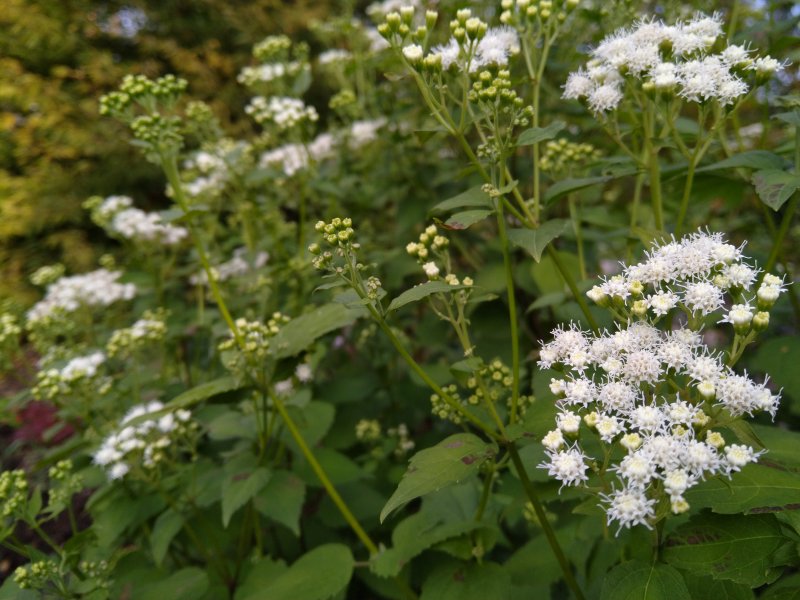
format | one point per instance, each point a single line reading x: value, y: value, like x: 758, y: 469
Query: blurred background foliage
x: 56, y: 59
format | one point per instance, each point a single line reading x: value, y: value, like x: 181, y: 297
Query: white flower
x: 629, y: 507
x: 431, y: 270
x: 303, y: 373
x: 604, y: 98
x: 662, y: 302
x: 449, y: 53
x: 553, y: 440
x: 637, y: 469
x: 567, y: 466
x: 413, y: 53
x: 738, y: 456
x: 568, y: 422
x: 578, y: 85
x: 676, y: 482
x: 703, y: 297
x: 608, y: 427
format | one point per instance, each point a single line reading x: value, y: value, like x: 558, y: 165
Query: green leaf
x: 423, y: 290
x: 261, y: 574
x: 197, y: 394
x: 706, y: 587
x: 638, y: 580
x: 238, y: 488
x: 317, y: 575
x: 474, y: 196
x: 792, y: 117
x: 774, y: 187
x: 186, y: 584
x: 298, y: 334
x: 456, y: 581
x: 758, y: 488
x: 450, y: 461
x: 565, y: 186
x: 534, y: 241
x: 787, y: 588
x: 282, y: 499
x: 531, y: 136
x: 166, y: 527
x: 464, y: 219
x: 734, y: 547
x: 752, y: 159
x: 413, y: 536
x: 779, y: 357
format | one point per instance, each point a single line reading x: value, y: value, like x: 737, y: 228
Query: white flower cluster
x: 52, y: 382
x: 654, y: 398
x: 212, y: 172
x: 365, y: 132
x: 496, y: 46
x: 334, y: 55
x: 268, y: 72
x: 669, y: 58
x: 90, y: 290
x: 378, y: 10
x: 119, y: 217
x: 10, y: 329
x: 285, y: 112
x: 237, y: 266
x: 150, y: 328
x: 147, y: 442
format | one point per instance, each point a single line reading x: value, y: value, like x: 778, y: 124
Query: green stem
x: 544, y: 522
x: 786, y: 222
x: 576, y: 226
x: 573, y: 287
x: 687, y: 192
x: 654, y: 169
x: 322, y: 476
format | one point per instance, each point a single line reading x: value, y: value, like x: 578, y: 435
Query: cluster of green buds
x: 150, y: 329
x: 255, y: 343
x: 368, y: 430
x: 148, y: 107
x: 444, y: 410
x: 273, y: 48
x: 13, y: 493
x: 399, y: 28
x: 44, y: 276
x: 81, y: 376
x: 64, y: 483
x: 533, y: 14
x: 564, y: 156
x: 283, y: 67
x: 202, y: 122
x: 494, y: 381
x: 10, y: 330
x: 38, y: 575
x: 338, y: 237
x: 345, y: 104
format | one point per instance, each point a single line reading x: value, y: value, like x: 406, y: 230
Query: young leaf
x: 474, y: 196
x: 534, y: 241
x: 423, y: 290
x: 752, y: 159
x: 450, y: 461
x: 638, y: 580
x: 466, y: 218
x: 565, y: 186
x: 774, y: 187
x: 730, y: 547
x: 282, y: 499
x: 166, y: 527
x: 317, y: 575
x: 238, y: 488
x: 298, y: 334
x: 531, y: 136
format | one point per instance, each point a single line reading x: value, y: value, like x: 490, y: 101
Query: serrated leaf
x: 317, y: 575
x: 752, y: 159
x: 774, y: 187
x: 423, y: 290
x: 758, y: 488
x: 473, y: 197
x: 298, y: 334
x: 470, y: 581
x: 450, y: 461
x: 282, y: 499
x: 534, y: 135
x: 565, y: 186
x: 638, y: 580
x: 238, y: 488
x: 166, y: 527
x: 734, y: 547
x: 534, y: 241
x: 466, y: 218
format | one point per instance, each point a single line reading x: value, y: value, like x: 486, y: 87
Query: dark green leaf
x: 166, y: 527
x: 734, y: 547
x: 282, y: 499
x: 758, y: 488
x: 565, y: 186
x: 474, y: 196
x: 752, y: 159
x: 706, y: 587
x: 450, y: 461
x: 298, y: 334
x: 317, y: 575
x: 239, y: 487
x: 197, y: 394
x: 534, y: 241
x: 539, y: 134
x: 792, y: 117
x: 466, y: 218
x: 423, y: 290
x: 787, y: 588
x: 775, y: 187
x: 779, y: 357
x: 637, y: 580
x: 261, y: 574
x: 186, y: 584
x: 458, y: 581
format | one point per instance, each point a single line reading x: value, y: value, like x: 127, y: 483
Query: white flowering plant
x: 405, y: 327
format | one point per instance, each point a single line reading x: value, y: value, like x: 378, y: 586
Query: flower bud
x: 761, y: 321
